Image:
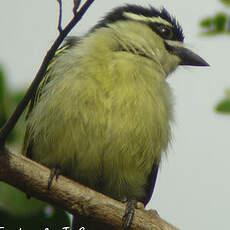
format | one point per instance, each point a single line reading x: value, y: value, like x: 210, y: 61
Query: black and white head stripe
x: 151, y: 16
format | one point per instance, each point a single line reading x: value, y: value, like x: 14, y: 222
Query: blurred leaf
x: 226, y: 2
x: 8, y: 102
x: 16, y: 203
x: 220, y: 21
x: 224, y: 105
x: 17, y: 96
x: 16, y: 210
x: 57, y: 220
x: 3, y: 112
x: 215, y: 25
x: 17, y: 134
x: 206, y: 23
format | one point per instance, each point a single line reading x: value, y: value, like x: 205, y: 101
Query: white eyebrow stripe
x: 146, y: 19
x: 174, y: 43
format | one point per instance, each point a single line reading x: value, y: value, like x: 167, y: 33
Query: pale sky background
x: 193, y: 188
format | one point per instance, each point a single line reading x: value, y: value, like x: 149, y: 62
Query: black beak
x: 186, y: 56
x: 189, y: 58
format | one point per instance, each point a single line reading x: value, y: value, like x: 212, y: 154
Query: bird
x: 102, y: 114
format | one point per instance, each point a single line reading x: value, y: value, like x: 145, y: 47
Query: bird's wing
x: 28, y: 143
x: 151, y: 182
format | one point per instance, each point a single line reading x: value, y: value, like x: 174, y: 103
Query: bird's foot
x: 129, y: 213
x: 54, y: 172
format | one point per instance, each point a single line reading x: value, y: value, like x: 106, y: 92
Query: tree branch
x: 60, y: 16
x: 31, y: 178
x: 4, y: 132
x: 76, y: 4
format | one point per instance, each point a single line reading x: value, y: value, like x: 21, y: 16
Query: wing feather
x: 28, y: 142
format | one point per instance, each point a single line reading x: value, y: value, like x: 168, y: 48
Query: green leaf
x: 220, y: 21
x: 3, y: 112
x: 206, y: 23
x: 8, y: 102
x: 224, y: 105
x: 215, y: 25
x: 16, y: 203
x: 19, y: 211
x: 16, y: 136
x: 226, y: 2
x: 40, y: 221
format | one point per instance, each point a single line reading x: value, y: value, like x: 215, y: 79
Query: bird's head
x: 149, y: 33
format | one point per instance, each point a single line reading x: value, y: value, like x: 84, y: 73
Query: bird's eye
x: 165, y: 31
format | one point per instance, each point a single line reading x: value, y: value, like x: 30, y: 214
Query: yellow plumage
x: 103, y: 117
x: 102, y: 113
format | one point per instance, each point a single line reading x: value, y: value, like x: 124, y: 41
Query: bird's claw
x: 129, y: 214
x: 54, y: 172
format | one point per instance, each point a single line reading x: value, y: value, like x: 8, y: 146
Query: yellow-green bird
x: 101, y: 116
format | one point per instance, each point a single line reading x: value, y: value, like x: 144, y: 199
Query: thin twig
x: 60, y: 16
x: 9, y: 125
x: 76, y: 4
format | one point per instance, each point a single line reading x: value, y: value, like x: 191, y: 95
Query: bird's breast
x: 107, y: 131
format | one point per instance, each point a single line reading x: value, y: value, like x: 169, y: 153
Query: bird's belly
x: 108, y: 144
x: 112, y: 153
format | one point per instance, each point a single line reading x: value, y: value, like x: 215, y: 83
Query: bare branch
x: 5, y: 130
x: 31, y: 178
x: 60, y: 16
x: 76, y: 4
